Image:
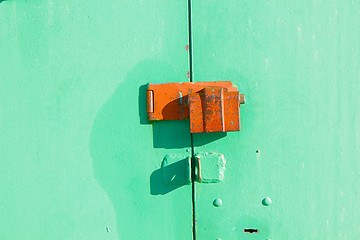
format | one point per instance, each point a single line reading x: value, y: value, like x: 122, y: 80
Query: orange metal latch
x: 210, y: 106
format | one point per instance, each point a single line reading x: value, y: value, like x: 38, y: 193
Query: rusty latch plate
x: 210, y: 106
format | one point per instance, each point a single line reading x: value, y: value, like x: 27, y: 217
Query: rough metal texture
x: 215, y: 110
x: 211, y: 106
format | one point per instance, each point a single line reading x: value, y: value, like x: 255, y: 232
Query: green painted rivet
x: 217, y: 202
x: 266, y: 201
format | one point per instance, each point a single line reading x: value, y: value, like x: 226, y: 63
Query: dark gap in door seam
x: 191, y: 135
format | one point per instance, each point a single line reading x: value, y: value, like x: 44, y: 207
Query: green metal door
x: 298, y: 64
x: 78, y: 159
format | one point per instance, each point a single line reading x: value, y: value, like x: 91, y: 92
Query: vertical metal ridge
x: 191, y: 135
x: 190, y: 42
x: 193, y: 178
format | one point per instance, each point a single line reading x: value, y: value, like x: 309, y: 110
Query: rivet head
x: 266, y: 201
x: 217, y: 202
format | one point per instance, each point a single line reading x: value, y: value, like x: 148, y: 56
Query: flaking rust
x: 210, y: 106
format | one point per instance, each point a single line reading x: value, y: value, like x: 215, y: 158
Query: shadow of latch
x: 209, y: 168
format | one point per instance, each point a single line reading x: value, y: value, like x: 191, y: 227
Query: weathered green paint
x: 298, y: 64
x: 78, y: 160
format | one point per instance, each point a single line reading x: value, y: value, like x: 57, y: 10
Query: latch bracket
x: 209, y: 167
x: 210, y: 106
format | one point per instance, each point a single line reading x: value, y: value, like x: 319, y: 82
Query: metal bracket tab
x: 176, y: 169
x: 210, y: 167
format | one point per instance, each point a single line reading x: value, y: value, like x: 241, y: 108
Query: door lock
x: 210, y: 106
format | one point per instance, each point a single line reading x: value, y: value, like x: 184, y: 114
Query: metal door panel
x: 78, y: 161
x: 298, y: 65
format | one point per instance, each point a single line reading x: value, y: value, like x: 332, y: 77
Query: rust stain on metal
x: 214, y: 109
x: 210, y: 106
x: 187, y: 47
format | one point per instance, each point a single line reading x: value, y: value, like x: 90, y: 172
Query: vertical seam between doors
x: 191, y: 135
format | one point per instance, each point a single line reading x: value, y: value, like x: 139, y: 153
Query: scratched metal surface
x: 77, y: 159
x: 299, y: 67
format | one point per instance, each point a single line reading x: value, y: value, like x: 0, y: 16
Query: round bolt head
x: 266, y: 201
x: 217, y: 202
